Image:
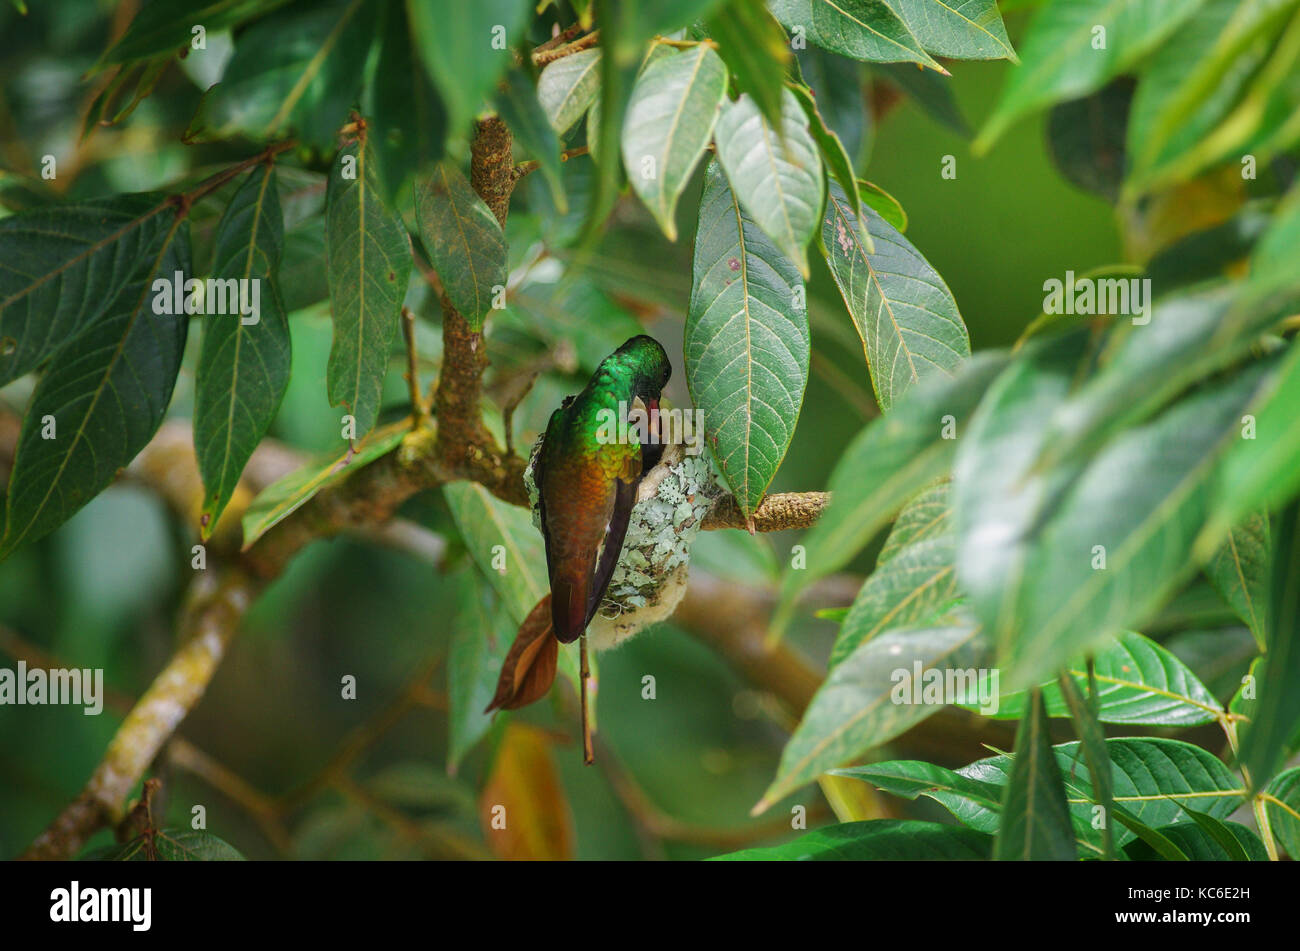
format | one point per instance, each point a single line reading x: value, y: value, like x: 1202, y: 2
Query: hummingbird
x: 587, y: 484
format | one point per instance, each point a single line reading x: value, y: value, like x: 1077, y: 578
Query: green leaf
x: 1282, y: 804
x: 102, y: 396
x: 300, y: 69
x: 927, y: 516
x: 285, y: 496
x: 165, y: 28
x: 464, y: 241
x: 465, y: 48
x: 839, y: 89
x: 1275, y: 262
x: 1139, y: 684
x: 567, y: 87
x: 1035, y: 818
x: 883, y: 204
x: 407, y: 119
x: 1196, y: 844
x: 1188, y: 338
x: 961, y: 29
x: 901, y: 307
x: 1224, y: 836
x: 876, y: 839
x: 756, y: 50
x: 62, y: 267
x: 913, y: 778
x: 368, y: 260
x: 913, y: 588
x: 1084, y: 711
x: 1275, y: 723
x: 882, y: 468
x: 1240, y: 571
x: 243, y: 367
x: 1153, y: 778
x: 169, y: 845
x: 863, y: 703
x: 670, y: 119
x: 834, y: 156
x: 859, y: 29
x: 1085, y: 139
x: 777, y: 175
x: 747, y: 342
x: 517, y: 103
x: 1063, y: 56
x: 1262, y: 472
x: 1033, y: 540
x: 480, y: 639
x: 1195, y: 78
x: 498, y: 534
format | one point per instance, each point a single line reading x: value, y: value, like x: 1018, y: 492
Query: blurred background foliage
x: 675, y: 776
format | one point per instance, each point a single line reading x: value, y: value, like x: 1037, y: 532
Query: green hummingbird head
x: 643, y: 361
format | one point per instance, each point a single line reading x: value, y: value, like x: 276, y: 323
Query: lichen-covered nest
x: 650, y: 577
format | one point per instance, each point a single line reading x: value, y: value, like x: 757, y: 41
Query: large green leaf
x: 927, y: 516
x: 961, y: 29
x: 901, y: 307
x: 1195, y: 78
x: 913, y: 588
x: 1240, y: 572
x: 1035, y: 818
x: 747, y: 342
x: 834, y: 155
x: 368, y: 260
x: 466, y: 47
x: 567, y: 87
x: 1282, y: 803
x: 1072, y: 49
x: 300, y: 69
x: 859, y: 29
x: 865, y: 700
x: 1275, y: 720
x: 408, y: 122
x: 504, y: 544
x: 169, y: 845
x: 756, y: 50
x: 1196, y: 844
x: 1261, y: 470
x: 1154, y: 778
x: 62, y: 267
x: 464, y: 240
x: 1188, y: 338
x: 101, y: 397
x: 884, y: 466
x: 777, y: 174
x: 480, y: 639
x: 167, y: 27
x: 669, y: 122
x: 243, y: 367
x: 282, y: 498
x: 1138, y: 683
x: 1055, y: 558
x: 876, y: 840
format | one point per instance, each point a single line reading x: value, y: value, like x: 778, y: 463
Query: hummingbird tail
x: 529, y: 667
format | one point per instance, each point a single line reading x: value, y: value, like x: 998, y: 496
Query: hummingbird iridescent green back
x: 587, y: 481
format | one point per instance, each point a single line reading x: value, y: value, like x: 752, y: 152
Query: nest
x: 650, y: 578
